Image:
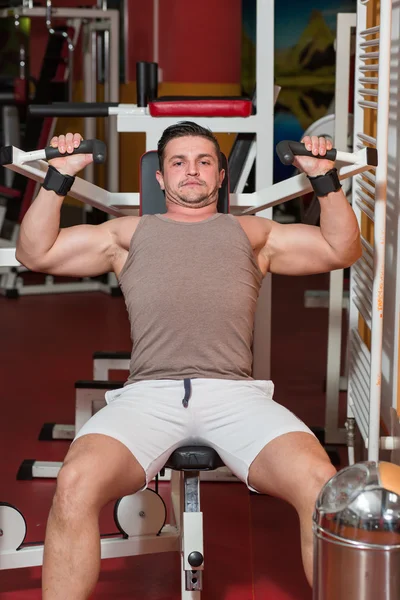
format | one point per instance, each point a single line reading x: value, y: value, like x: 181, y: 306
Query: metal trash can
x: 356, y: 527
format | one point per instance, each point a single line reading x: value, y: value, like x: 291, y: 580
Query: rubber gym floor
x: 252, y: 547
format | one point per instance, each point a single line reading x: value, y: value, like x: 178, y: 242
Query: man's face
x: 191, y: 177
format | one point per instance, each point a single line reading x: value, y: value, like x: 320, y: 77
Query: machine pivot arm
x: 9, y: 154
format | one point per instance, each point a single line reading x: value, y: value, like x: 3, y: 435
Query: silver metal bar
x: 369, y: 80
x: 360, y: 294
x: 370, y: 43
x: 362, y: 350
x: 362, y: 272
x: 368, y: 201
x: 361, y: 400
x: 367, y: 92
x: 363, y: 285
x: 369, y: 56
x: 363, y: 391
x: 370, y: 31
x: 363, y: 311
x: 89, y: 92
x: 106, y: 65
x: 360, y: 359
x: 362, y: 421
x: 192, y: 491
x: 361, y: 394
x: 371, y: 177
x: 367, y: 246
x: 368, y: 188
x: 367, y: 104
x: 365, y: 210
x: 365, y: 267
x: 362, y: 346
x: 369, y: 259
x: 366, y: 68
x: 113, y: 134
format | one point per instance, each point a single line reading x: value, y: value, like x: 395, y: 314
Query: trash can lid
x: 361, y: 504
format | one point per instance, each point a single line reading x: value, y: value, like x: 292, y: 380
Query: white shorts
x: 235, y: 417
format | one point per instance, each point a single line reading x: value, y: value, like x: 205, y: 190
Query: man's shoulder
x: 256, y: 228
x: 123, y: 228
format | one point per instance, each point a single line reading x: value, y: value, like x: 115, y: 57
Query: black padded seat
x: 194, y: 458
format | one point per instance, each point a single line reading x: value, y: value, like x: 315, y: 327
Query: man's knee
x: 97, y: 470
x: 320, y: 473
x: 75, y: 493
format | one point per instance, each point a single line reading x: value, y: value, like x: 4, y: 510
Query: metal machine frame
x: 373, y: 67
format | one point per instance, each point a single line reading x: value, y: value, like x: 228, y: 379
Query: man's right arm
x: 80, y: 251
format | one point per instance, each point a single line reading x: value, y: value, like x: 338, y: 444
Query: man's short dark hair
x: 183, y: 129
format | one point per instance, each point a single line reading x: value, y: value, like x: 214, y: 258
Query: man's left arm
x: 298, y: 249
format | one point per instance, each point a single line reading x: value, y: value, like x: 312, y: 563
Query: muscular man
x: 190, y: 278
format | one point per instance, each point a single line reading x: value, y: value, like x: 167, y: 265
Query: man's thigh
x: 147, y: 417
x: 241, y: 421
x: 292, y: 466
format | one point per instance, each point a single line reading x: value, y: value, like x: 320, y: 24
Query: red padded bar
x: 201, y: 108
x: 9, y: 192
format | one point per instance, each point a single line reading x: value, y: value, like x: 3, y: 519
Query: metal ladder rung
x: 364, y: 268
x: 370, y: 43
x: 363, y: 312
x: 366, y: 92
x: 360, y: 419
x: 366, y: 186
x: 367, y: 104
x: 368, y: 259
x: 365, y: 210
x: 370, y: 30
x: 370, y: 80
x: 366, y: 68
x: 368, y: 175
x: 364, y: 294
x: 362, y: 309
x: 367, y: 246
x: 360, y: 359
x: 367, y: 199
x: 361, y: 283
x: 369, y: 56
x: 362, y: 346
x: 361, y: 395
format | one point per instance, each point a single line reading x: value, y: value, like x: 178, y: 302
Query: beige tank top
x: 191, y: 291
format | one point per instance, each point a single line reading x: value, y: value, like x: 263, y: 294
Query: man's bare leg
x: 294, y: 467
x: 97, y: 469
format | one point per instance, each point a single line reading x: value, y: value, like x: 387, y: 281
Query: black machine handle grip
x: 71, y: 109
x: 287, y: 150
x: 95, y: 147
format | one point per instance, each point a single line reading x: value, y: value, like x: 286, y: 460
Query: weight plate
x: 143, y: 513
